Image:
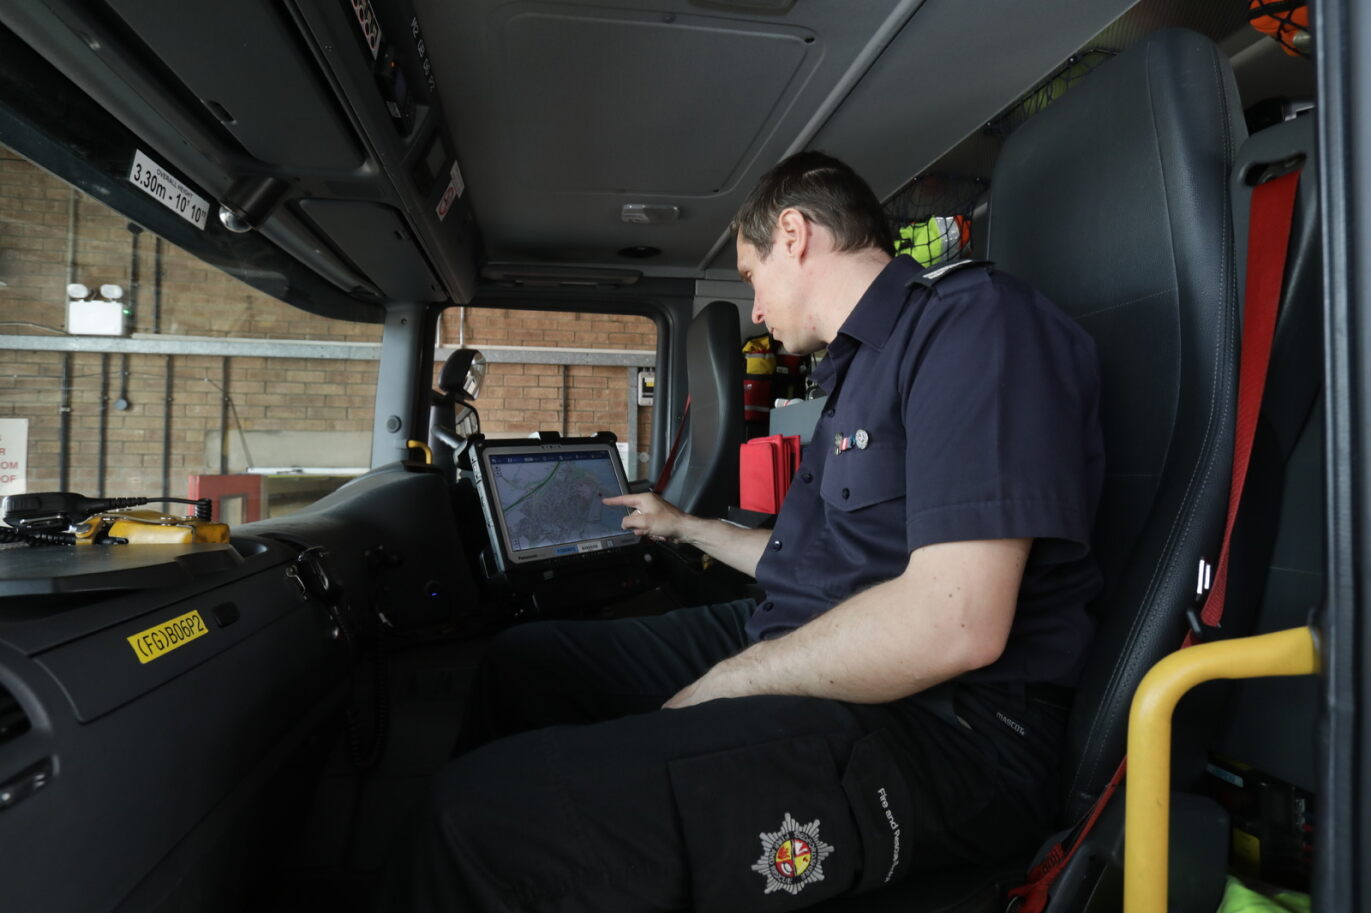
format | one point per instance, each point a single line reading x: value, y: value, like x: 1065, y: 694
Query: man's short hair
x: 828, y: 192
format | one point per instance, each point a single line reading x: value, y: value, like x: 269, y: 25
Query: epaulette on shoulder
x: 931, y: 278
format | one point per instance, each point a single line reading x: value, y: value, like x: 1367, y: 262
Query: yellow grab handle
x: 420, y: 445
x: 1148, y: 806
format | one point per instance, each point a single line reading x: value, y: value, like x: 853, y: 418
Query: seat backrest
x: 705, y: 478
x: 1114, y: 201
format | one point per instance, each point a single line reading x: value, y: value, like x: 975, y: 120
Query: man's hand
x: 652, y: 517
x: 716, y: 683
x: 660, y: 520
x: 687, y: 696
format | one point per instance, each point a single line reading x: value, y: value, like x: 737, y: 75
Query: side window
x: 133, y: 369
x: 576, y: 373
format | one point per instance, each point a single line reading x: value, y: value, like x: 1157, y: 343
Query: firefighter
x: 896, y: 701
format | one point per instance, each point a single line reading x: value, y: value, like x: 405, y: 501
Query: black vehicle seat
x: 1115, y: 202
x: 705, y: 478
x: 1275, y: 578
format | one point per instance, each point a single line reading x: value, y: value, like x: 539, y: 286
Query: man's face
x: 778, y: 297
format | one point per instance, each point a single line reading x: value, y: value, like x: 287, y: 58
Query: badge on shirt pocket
x: 862, y: 478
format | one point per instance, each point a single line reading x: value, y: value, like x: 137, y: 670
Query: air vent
x: 13, y: 721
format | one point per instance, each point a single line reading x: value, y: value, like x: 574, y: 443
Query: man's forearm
x: 949, y: 613
x: 736, y: 546
x: 846, y: 654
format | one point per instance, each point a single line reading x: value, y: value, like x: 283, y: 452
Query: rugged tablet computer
x: 542, y: 499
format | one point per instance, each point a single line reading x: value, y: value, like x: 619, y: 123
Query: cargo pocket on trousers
x: 883, y: 808
x: 766, y: 827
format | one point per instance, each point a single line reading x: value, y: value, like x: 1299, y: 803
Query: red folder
x: 765, y: 467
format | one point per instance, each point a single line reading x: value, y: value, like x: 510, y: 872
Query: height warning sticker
x: 164, y: 187
x: 14, y: 455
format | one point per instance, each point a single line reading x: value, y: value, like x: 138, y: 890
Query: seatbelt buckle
x: 1204, y: 581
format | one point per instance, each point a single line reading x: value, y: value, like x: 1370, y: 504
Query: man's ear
x: 793, y: 233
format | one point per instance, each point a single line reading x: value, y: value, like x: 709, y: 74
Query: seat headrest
x: 705, y: 480
x: 1102, y: 198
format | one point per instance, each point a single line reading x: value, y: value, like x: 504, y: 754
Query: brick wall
x: 30, y: 387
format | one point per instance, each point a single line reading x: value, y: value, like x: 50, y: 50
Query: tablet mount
x: 575, y: 584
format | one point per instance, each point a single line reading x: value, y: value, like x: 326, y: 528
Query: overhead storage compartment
x: 260, y: 93
x: 246, y: 64
x: 374, y: 237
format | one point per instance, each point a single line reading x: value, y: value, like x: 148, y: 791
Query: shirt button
x: 846, y: 492
x: 767, y: 606
x: 775, y: 545
x: 807, y: 476
x: 830, y: 412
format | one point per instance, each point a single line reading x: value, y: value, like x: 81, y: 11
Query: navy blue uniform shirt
x: 977, y: 401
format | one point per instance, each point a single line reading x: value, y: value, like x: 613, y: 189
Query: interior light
x: 649, y: 213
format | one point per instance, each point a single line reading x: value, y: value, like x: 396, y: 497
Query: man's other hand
x: 714, y: 684
x: 652, y: 517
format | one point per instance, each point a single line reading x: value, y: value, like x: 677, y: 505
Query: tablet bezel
x: 497, y: 525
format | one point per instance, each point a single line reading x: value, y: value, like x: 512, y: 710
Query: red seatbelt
x: 1044, y: 874
x: 1268, y: 237
x: 665, y: 475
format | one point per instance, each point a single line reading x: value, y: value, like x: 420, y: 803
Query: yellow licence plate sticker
x: 161, y: 639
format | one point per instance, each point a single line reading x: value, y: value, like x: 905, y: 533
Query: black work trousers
x: 577, y: 793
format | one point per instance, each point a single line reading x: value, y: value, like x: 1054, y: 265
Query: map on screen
x: 553, y: 499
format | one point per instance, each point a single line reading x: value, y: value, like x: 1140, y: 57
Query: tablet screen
x: 547, y: 499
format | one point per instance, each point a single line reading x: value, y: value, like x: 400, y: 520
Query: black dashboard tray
x: 48, y: 570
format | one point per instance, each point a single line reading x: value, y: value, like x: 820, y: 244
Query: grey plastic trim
x: 631, y: 410
x: 446, y: 243
x: 531, y: 355
x: 192, y: 345
x: 1344, y: 150
x: 280, y: 348
x: 396, y: 383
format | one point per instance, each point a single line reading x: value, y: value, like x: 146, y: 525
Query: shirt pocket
x: 857, y: 479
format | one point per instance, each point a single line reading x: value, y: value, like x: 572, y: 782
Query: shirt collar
x: 872, y: 320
